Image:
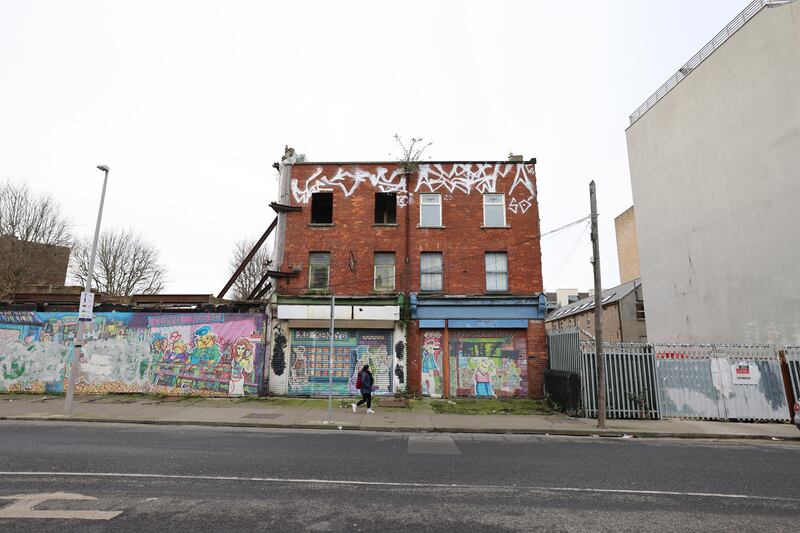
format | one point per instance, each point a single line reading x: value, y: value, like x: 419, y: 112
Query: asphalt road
x: 213, y: 479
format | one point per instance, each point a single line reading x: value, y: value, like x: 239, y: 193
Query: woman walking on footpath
x: 364, y: 383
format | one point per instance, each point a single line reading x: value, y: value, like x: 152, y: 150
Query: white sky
x: 191, y: 102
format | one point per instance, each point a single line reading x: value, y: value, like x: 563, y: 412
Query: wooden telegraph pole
x: 598, y: 315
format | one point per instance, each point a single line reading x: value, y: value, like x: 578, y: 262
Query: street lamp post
x: 84, y: 320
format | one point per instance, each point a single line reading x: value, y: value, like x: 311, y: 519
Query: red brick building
x: 436, y: 269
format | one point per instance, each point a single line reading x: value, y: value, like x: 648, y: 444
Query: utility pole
x: 598, y: 314
x: 87, y: 302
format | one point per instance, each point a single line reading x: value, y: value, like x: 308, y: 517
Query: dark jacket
x: 366, y: 381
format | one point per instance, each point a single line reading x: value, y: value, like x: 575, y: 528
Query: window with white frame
x: 430, y: 210
x: 494, y: 210
x: 319, y: 265
x: 431, y: 274
x: 496, y: 271
x: 384, y: 271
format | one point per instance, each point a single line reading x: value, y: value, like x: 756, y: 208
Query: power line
x: 464, y: 258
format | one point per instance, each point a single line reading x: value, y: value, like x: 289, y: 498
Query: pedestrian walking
x: 364, y: 384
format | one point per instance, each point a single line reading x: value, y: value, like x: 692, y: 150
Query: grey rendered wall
x: 633, y: 329
x: 715, y: 171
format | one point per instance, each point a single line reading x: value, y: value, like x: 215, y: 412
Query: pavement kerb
x: 435, y: 429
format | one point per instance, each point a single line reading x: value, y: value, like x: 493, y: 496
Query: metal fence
x: 696, y: 381
x: 792, y: 357
x: 564, y: 350
x: 630, y: 380
x: 721, y: 382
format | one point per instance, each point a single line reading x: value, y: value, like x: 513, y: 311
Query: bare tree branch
x: 32, y: 218
x: 254, y: 270
x: 125, y: 264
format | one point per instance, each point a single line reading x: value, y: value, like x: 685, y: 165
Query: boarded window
x: 496, y: 272
x: 430, y: 271
x: 494, y: 210
x: 322, y: 208
x: 384, y: 271
x: 385, y: 208
x: 430, y: 210
x: 319, y: 265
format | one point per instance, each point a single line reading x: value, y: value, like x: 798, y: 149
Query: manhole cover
x: 262, y: 415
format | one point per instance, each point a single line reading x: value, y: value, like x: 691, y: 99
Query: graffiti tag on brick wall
x: 459, y: 177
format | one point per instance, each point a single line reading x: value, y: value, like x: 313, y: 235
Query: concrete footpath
x: 313, y: 414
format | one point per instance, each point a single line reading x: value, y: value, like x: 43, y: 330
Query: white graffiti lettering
x: 461, y: 177
x: 520, y: 206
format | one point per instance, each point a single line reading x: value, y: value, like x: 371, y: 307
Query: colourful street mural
x: 488, y: 363
x: 483, y: 363
x: 432, y: 364
x: 309, y: 363
x: 205, y: 354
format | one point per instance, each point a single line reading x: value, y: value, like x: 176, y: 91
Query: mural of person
x: 484, y: 369
x: 431, y: 373
x: 241, y: 366
x: 177, y: 345
x: 206, y: 351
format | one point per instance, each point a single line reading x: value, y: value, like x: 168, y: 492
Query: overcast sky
x: 191, y: 102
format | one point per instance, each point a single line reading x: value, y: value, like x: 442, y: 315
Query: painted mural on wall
x: 459, y: 177
x: 432, y: 363
x: 488, y: 363
x: 352, y: 349
x: 207, y: 354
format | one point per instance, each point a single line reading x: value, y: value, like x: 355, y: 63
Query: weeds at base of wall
x: 496, y: 406
x: 555, y: 406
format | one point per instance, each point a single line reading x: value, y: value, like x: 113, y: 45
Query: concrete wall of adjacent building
x: 627, y: 247
x: 715, y: 172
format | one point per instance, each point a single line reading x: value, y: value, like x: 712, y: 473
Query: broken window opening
x: 385, y: 208
x: 322, y: 208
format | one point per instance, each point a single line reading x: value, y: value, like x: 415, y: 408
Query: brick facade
x: 352, y: 237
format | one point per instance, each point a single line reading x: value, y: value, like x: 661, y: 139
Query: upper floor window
x: 496, y: 271
x: 430, y: 210
x: 430, y: 268
x: 384, y: 271
x: 319, y: 266
x: 385, y: 208
x: 322, y: 208
x: 494, y: 210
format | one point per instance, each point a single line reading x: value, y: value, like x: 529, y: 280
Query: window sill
x: 387, y: 225
x: 321, y: 225
x: 494, y: 293
x: 384, y: 291
x: 419, y: 226
x: 496, y: 227
x: 317, y: 291
x: 432, y: 293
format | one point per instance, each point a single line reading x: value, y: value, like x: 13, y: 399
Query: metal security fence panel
x: 792, y: 356
x: 564, y: 350
x: 630, y: 380
x: 720, y: 382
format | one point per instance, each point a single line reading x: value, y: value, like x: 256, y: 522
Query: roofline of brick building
x: 531, y: 161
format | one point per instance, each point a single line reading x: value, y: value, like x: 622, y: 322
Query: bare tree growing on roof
x: 126, y: 264
x: 411, y: 152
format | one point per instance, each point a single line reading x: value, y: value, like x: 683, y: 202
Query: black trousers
x: 366, y: 397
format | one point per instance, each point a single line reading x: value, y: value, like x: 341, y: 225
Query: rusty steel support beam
x: 257, y: 288
x: 248, y: 258
x: 263, y: 291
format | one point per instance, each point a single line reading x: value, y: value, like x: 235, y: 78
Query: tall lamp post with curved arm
x: 87, y: 301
